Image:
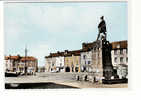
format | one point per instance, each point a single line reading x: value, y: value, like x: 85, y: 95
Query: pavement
x: 65, y: 79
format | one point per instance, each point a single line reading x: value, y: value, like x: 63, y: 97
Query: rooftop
x: 28, y: 58
x: 119, y: 44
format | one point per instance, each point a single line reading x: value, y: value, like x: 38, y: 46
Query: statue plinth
x: 101, y: 55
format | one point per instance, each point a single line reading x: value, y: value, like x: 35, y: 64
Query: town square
x: 66, y: 45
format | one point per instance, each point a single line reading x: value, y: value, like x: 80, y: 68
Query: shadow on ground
x: 39, y: 86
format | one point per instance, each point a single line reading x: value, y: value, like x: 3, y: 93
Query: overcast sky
x: 51, y: 27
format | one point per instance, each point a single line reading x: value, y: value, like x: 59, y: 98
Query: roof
x: 12, y: 57
x: 55, y: 54
x: 28, y: 58
x: 88, y: 46
x: 75, y: 52
x: 65, y: 54
x: 120, y: 44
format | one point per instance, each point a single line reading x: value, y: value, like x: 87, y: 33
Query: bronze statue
x: 102, y: 28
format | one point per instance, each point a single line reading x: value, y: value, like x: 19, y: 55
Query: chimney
x: 18, y: 55
x: 58, y: 52
x: 83, y: 45
x: 66, y: 51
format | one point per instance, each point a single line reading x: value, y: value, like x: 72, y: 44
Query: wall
x: 76, y: 63
x: 68, y: 62
x: 48, y: 64
x: 84, y: 61
x: 118, y: 56
x: 60, y: 61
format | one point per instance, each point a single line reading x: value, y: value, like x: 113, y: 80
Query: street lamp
x: 25, y: 61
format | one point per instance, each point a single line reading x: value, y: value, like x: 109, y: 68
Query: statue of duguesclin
x: 102, y: 28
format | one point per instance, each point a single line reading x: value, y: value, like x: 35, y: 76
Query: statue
x: 102, y: 28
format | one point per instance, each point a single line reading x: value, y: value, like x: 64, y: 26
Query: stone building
x: 97, y: 61
x: 96, y: 57
x: 51, y: 62
x: 72, y: 61
x: 119, y: 53
x: 48, y: 63
x: 12, y: 63
x: 17, y: 64
x: 86, y: 57
x: 67, y: 61
x: 60, y: 61
x: 76, y: 60
x: 55, y: 62
x: 120, y: 58
x: 31, y: 63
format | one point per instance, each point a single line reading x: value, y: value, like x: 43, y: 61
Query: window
x: 126, y: 50
x: 77, y: 62
x: 53, y: 64
x: 85, y: 62
x: 115, y: 52
x: 121, y: 51
x: 115, y: 59
x: 84, y: 57
x: 118, y: 46
x: 121, y: 59
x: 89, y: 62
x: 126, y: 59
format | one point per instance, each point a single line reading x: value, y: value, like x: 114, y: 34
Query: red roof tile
x: 29, y: 58
x: 120, y: 45
x: 12, y: 57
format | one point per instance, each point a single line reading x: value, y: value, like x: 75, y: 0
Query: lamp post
x: 25, y: 61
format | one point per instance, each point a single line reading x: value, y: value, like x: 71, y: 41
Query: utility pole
x: 25, y: 61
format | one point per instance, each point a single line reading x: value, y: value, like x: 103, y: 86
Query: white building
x: 86, y: 61
x: 55, y: 62
x: 86, y: 57
x: 119, y: 55
x: 48, y: 64
x: 17, y: 64
x: 60, y: 63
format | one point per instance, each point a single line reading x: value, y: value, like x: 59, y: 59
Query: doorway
x: 67, y: 69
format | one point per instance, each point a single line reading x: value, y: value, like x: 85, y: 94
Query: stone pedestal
x: 101, y: 59
x: 107, y: 61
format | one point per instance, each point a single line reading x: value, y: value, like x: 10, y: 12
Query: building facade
x: 76, y: 60
x: 60, y: 61
x: 55, y: 62
x: 12, y: 63
x: 119, y: 53
x: 48, y: 63
x: 72, y: 61
x: 67, y: 61
x: 86, y: 57
x: 17, y: 64
x: 100, y: 57
x: 120, y: 58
